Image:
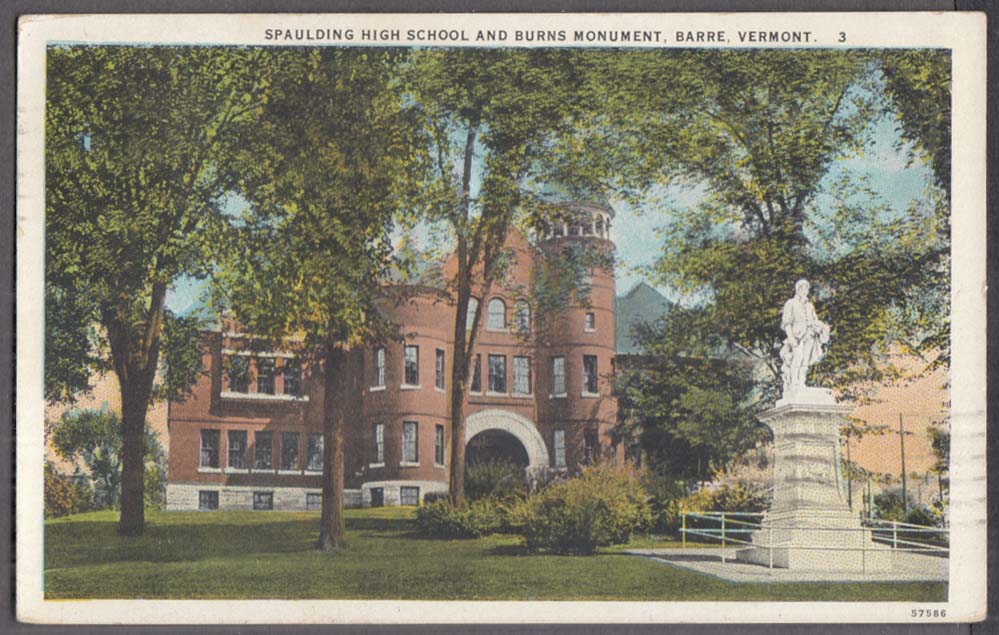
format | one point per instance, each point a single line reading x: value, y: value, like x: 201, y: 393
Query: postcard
x: 502, y: 318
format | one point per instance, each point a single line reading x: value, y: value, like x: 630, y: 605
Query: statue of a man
x: 805, y: 336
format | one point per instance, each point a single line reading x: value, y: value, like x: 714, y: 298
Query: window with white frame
x: 292, y: 373
x: 314, y: 458
x: 476, y: 374
x: 237, y: 370
x: 378, y: 447
x: 439, y: 444
x: 289, y: 450
x: 263, y: 450
x: 208, y: 500
x: 411, y: 368
x: 559, y: 443
x: 439, y: 368
x: 521, y: 375
x: 591, y: 322
x: 237, y: 449
x: 522, y: 317
x: 590, y: 374
x: 591, y: 444
x: 313, y: 501
x: 409, y: 495
x: 265, y: 375
x: 263, y: 501
x: 558, y: 376
x: 497, y: 315
x: 497, y: 373
x: 410, y: 443
x: 380, y: 366
x: 473, y: 306
x: 209, y: 448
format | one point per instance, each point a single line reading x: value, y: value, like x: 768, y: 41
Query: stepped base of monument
x: 816, y: 540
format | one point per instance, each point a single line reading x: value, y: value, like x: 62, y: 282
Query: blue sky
x: 636, y: 231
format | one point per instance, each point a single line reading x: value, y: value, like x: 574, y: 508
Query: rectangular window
x: 410, y: 448
x: 439, y: 444
x: 377, y: 497
x: 477, y: 374
x: 411, y: 376
x: 313, y: 501
x: 558, y: 376
x: 289, y: 450
x: 522, y: 375
x: 238, y: 373
x: 378, y: 456
x: 380, y: 366
x: 237, y: 449
x: 208, y: 501
x: 497, y: 373
x: 559, y: 448
x: 590, y: 445
x: 263, y: 501
x: 590, y: 374
x: 409, y: 495
x: 292, y: 372
x: 209, y: 448
x: 263, y: 451
x: 439, y: 369
x: 591, y: 322
x: 265, y: 375
x: 315, y: 455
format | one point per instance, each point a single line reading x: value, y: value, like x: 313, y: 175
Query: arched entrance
x: 497, y: 428
x: 496, y: 445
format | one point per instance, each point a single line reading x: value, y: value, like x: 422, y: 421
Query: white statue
x: 805, y: 336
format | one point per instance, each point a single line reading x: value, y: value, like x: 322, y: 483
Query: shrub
x: 495, y: 479
x: 604, y: 505
x: 441, y: 519
x: 729, y: 497
x: 433, y: 497
x: 65, y: 495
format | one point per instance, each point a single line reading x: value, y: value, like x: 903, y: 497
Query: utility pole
x: 849, y: 475
x: 901, y: 443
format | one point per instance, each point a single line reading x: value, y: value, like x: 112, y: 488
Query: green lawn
x: 269, y: 555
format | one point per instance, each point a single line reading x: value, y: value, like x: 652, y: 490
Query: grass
x: 240, y: 555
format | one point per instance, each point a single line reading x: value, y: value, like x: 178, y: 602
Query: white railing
x: 737, y: 528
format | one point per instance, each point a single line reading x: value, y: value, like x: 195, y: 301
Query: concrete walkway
x: 909, y: 567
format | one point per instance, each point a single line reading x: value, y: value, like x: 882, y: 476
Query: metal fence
x: 737, y: 528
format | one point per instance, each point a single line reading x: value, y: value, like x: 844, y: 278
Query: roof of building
x: 556, y: 192
x: 640, y: 304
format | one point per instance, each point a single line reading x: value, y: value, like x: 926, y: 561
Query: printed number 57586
x: 929, y: 612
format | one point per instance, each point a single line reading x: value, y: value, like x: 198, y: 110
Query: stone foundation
x: 184, y: 497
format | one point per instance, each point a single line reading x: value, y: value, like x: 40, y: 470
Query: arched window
x: 473, y: 306
x: 522, y: 316
x: 600, y: 226
x: 497, y: 314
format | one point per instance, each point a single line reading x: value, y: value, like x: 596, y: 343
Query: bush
x: 441, y: 519
x: 433, y: 497
x: 498, y: 480
x: 604, y: 505
x: 65, y: 495
x: 734, y: 497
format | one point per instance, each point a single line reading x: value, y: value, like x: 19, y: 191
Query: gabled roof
x: 640, y: 304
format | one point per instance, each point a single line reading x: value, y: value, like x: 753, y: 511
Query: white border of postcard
x: 963, y: 33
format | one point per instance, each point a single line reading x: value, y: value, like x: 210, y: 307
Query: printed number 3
x: 842, y: 37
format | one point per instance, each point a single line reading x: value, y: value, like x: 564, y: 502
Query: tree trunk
x: 335, y: 402
x: 133, y: 452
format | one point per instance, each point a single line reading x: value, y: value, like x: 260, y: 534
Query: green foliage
x: 687, y: 406
x: 496, y: 480
x: 64, y: 494
x: 728, y: 497
x: 603, y: 506
x: 441, y: 519
x: 182, y: 356
x: 94, y: 436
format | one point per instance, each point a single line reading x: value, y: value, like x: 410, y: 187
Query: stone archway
x: 523, y: 429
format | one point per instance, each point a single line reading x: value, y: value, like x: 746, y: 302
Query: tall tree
x: 134, y: 143
x: 761, y: 133
x: 333, y: 160
x: 492, y: 116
